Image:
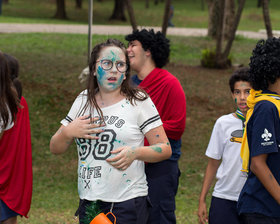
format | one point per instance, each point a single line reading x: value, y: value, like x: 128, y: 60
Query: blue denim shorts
x: 6, y: 212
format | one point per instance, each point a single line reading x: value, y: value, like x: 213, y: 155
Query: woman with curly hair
x: 259, y: 200
x: 148, y: 52
x: 108, y: 122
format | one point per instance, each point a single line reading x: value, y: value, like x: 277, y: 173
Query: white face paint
x: 110, y: 80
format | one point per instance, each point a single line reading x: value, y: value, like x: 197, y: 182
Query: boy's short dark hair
x: 156, y: 43
x: 265, y: 63
x: 241, y: 74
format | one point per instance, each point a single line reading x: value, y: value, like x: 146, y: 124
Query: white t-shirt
x: 225, y: 144
x: 126, y: 124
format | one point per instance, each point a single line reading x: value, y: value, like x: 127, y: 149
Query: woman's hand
x: 84, y: 127
x: 124, y: 157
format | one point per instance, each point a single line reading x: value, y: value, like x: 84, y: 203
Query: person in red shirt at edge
x: 148, y: 52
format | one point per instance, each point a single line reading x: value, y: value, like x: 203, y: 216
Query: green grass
x: 50, y: 65
x: 187, y: 13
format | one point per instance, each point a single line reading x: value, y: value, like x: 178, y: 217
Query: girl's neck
x: 105, y: 99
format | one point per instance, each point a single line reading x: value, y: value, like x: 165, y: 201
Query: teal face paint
x: 118, y: 84
x: 103, y: 82
x: 156, y: 148
x: 114, y: 56
x: 112, y: 79
x: 101, y: 75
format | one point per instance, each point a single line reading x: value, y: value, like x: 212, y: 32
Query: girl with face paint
x: 108, y: 122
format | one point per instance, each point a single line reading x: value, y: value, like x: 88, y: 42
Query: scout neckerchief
x: 253, y: 98
x: 241, y: 116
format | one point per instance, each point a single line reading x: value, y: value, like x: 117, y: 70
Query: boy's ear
x: 148, y: 53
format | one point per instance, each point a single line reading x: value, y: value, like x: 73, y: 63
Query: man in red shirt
x: 148, y: 52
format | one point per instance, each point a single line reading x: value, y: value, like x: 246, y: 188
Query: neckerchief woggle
x: 253, y: 98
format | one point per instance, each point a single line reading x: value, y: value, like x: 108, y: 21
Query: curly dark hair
x: 241, y: 74
x: 265, y: 63
x: 156, y: 43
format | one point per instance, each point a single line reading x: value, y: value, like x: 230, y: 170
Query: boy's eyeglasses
x: 108, y: 64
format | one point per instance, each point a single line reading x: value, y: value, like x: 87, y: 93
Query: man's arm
x: 261, y: 170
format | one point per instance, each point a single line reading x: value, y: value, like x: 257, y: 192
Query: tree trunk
x: 118, y: 12
x: 219, y: 42
x: 266, y: 18
x: 147, y: 4
x: 79, y: 4
x: 131, y: 14
x: 6, y: 1
x: 228, y: 18
x: 202, y: 5
x: 226, y: 52
x: 214, y: 12
x: 166, y: 17
x: 221, y: 58
x: 60, y: 10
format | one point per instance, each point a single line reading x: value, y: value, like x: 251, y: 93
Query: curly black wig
x: 265, y: 63
x: 156, y: 43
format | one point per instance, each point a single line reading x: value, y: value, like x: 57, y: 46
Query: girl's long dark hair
x: 13, y: 66
x: 9, y: 101
x: 131, y: 93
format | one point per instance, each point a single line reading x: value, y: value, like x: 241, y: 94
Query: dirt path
x: 107, y: 30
